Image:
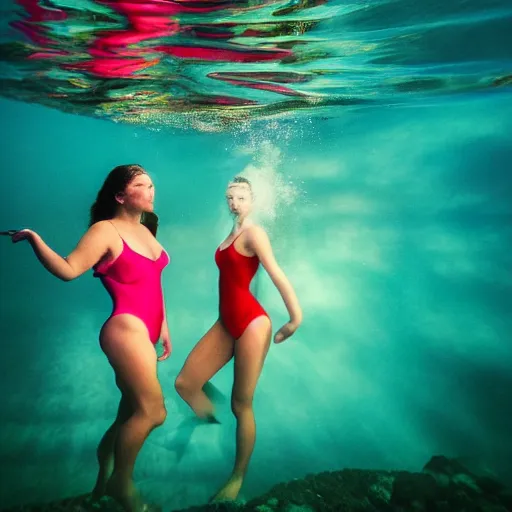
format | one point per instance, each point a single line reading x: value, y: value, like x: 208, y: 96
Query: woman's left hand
x: 22, y: 234
x: 285, y: 332
x: 166, y: 343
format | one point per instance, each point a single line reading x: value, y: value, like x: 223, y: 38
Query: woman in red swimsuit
x: 121, y: 247
x: 243, y: 330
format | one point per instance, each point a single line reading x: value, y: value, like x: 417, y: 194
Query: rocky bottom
x: 443, y: 485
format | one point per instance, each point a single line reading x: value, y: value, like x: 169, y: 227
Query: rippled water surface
x: 210, y: 64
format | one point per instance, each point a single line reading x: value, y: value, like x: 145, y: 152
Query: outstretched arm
x: 258, y: 241
x: 90, y: 249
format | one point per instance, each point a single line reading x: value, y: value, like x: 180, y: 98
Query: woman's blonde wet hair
x: 240, y: 180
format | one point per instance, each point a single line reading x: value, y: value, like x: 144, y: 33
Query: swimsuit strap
x: 236, y: 237
x: 116, y: 229
x: 232, y: 244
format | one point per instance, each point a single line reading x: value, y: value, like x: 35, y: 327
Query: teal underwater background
x: 394, y: 226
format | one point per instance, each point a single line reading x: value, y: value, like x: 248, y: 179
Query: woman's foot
x: 209, y: 418
x: 230, y: 490
x: 100, y: 489
x: 98, y: 492
x: 126, y: 495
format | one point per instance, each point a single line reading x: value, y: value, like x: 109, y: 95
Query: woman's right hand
x: 22, y: 234
x: 286, y: 331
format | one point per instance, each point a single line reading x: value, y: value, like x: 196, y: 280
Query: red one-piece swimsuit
x: 237, y: 305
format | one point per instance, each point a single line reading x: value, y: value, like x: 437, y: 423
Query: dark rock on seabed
x: 444, y: 485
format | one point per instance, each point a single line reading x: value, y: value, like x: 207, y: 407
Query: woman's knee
x: 159, y: 415
x: 184, y: 386
x: 241, y: 404
x: 154, y: 409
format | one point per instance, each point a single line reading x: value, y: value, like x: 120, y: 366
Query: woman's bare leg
x: 210, y: 354
x: 250, y: 352
x: 134, y: 360
x: 106, y: 448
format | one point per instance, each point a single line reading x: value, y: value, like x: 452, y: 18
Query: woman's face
x: 139, y: 194
x: 239, y: 199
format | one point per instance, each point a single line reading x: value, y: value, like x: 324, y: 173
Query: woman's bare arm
x: 258, y: 241
x: 90, y: 249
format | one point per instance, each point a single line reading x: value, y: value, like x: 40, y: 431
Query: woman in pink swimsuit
x: 121, y: 247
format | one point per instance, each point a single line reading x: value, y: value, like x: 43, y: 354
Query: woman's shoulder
x: 255, y: 232
x: 255, y: 229
x: 102, y: 232
x: 101, y: 227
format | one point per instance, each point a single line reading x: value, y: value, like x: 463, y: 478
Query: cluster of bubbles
x: 274, y: 192
x: 271, y: 190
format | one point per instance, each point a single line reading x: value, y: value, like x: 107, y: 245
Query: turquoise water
x: 391, y: 219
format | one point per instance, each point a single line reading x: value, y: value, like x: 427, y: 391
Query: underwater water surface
x: 377, y: 136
